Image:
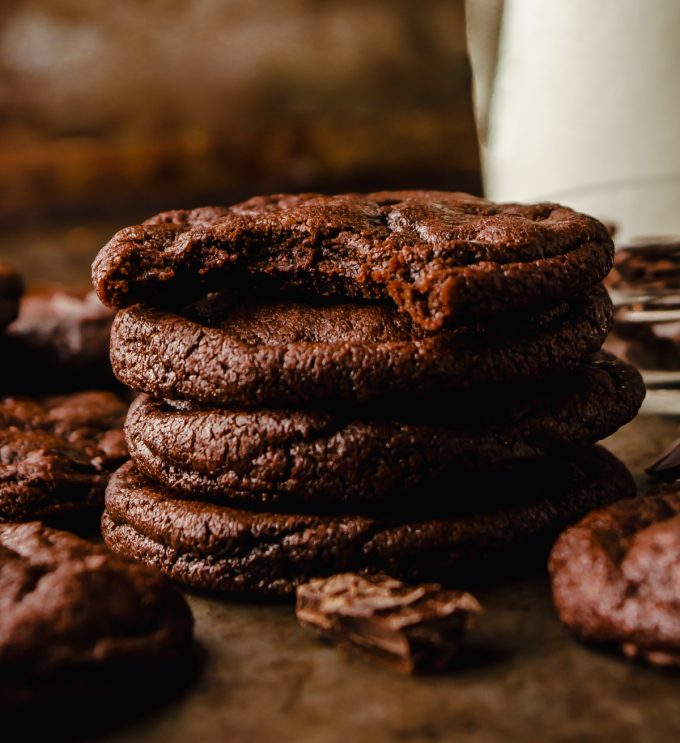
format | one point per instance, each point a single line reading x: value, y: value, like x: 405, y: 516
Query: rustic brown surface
x: 264, y: 678
x: 523, y: 678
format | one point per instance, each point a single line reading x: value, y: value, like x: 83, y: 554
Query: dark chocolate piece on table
x: 409, y: 627
x: 667, y: 466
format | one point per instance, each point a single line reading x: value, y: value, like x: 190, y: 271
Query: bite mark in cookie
x: 437, y: 255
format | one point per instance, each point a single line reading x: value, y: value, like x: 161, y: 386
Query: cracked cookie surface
x: 237, y: 551
x: 56, y: 454
x: 438, y: 256
x: 321, y: 460
x: 231, y: 350
x: 74, y: 616
x: 616, y: 576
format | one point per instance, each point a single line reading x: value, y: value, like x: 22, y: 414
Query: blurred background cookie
x: 57, y: 454
x: 58, y: 342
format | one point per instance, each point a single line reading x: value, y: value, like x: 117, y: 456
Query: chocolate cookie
x: 616, y: 577
x: 64, y: 330
x: 56, y: 454
x: 438, y: 256
x: 316, y: 459
x: 649, y: 264
x: 235, y: 352
x: 215, y: 547
x: 75, y: 619
x: 11, y: 288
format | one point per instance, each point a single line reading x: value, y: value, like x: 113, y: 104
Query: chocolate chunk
x: 409, y: 627
x: 667, y: 466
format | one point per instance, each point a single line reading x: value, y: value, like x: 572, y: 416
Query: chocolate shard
x: 410, y: 627
x: 667, y: 466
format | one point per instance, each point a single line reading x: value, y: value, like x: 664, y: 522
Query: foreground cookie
x: 436, y: 255
x: 11, y: 288
x: 237, y: 551
x: 616, y: 577
x: 315, y: 460
x: 228, y: 350
x: 64, y: 331
x: 56, y: 454
x: 76, y: 620
x: 411, y: 628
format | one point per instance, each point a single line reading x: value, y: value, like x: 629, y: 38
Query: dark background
x: 112, y: 111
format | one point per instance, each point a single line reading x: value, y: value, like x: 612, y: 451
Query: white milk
x: 578, y: 101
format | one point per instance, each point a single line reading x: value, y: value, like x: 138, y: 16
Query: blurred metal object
x: 645, y: 289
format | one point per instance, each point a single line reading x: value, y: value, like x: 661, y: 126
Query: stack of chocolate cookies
x: 406, y: 382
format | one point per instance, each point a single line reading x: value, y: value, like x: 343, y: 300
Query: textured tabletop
x: 522, y: 678
x: 263, y: 678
